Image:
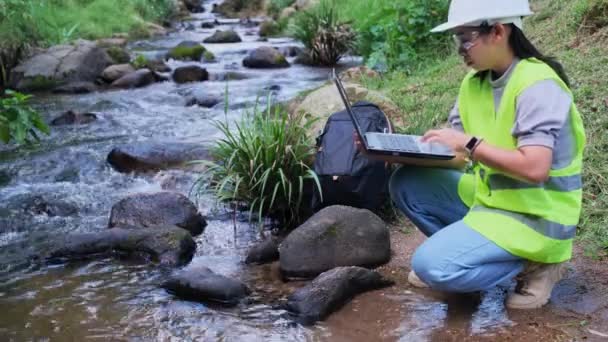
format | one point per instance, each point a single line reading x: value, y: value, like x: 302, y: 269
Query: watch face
x: 471, y: 143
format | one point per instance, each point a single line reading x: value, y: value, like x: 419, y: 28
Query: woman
x: 516, y: 121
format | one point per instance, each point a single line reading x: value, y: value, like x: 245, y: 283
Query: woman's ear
x: 501, y: 32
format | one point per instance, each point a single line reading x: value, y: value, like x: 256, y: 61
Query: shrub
x: 262, y: 164
x: 391, y: 34
x: 326, y: 38
x: 18, y: 121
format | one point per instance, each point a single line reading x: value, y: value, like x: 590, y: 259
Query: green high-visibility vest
x: 534, y: 221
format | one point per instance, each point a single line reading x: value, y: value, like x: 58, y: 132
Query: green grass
x: 575, y: 32
x: 52, y: 22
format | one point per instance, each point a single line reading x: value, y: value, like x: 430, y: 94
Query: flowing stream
x: 113, y: 299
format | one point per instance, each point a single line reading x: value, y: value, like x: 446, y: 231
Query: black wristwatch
x: 471, y: 145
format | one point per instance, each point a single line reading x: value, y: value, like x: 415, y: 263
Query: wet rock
x: 118, y: 54
x: 335, y: 236
x: 194, y: 6
x: 190, y: 73
x: 265, y: 57
x: 208, y: 25
x: 203, y: 285
x: 331, y: 290
x: 137, y: 79
x: 263, y: 252
x: 228, y: 36
x: 157, y: 209
x: 81, y: 61
x: 158, y: 66
x: 290, y: 51
x: 42, y: 205
x: 114, y: 72
x: 187, y: 50
x: 274, y: 87
x: 230, y: 75
x: 5, y: 178
x: 304, y: 58
x: 73, y: 118
x: 152, y: 156
x: 203, y: 100
x: 168, y: 245
x: 76, y: 88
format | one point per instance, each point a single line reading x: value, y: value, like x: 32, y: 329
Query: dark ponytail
x: 523, y: 48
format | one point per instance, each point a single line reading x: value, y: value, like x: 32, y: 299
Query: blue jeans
x: 455, y: 257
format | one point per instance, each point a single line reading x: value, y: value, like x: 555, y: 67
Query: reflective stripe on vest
x: 548, y: 228
x: 564, y: 183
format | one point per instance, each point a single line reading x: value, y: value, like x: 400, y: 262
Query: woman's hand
x: 456, y: 140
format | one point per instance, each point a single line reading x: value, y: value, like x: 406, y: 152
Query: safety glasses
x: 466, y: 40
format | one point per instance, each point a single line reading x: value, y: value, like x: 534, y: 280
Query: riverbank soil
x: 578, y: 309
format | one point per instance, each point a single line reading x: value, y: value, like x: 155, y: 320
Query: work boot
x: 534, y: 286
x: 413, y: 279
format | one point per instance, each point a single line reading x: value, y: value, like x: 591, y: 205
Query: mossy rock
x: 41, y: 83
x: 280, y: 59
x: 187, y: 51
x: 118, y: 55
x: 268, y: 28
x: 208, y: 56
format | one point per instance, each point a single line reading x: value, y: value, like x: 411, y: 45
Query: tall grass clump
x: 395, y: 34
x: 326, y: 37
x: 262, y: 164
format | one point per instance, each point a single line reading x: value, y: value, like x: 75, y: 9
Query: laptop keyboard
x: 398, y: 143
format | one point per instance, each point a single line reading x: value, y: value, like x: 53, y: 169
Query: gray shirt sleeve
x: 454, y: 118
x: 542, y: 110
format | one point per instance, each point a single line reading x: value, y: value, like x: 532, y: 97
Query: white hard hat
x: 474, y: 12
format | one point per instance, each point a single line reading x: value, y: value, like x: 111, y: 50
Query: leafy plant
x: 326, y: 38
x: 392, y: 34
x: 262, y: 164
x: 18, y: 121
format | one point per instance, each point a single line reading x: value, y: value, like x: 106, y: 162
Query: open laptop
x: 394, y: 144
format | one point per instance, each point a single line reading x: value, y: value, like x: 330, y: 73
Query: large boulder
x: 203, y: 285
x: 73, y: 118
x: 81, y: 61
x: 153, y: 156
x: 137, y: 79
x: 168, y: 245
x: 219, y: 37
x: 150, y: 210
x: 187, y: 50
x: 265, y: 57
x: 335, y: 236
x: 114, y: 72
x: 263, y: 252
x: 190, y: 73
x: 331, y: 290
x: 76, y: 88
x: 324, y: 101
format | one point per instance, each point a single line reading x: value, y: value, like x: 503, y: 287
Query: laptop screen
x: 348, y: 107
